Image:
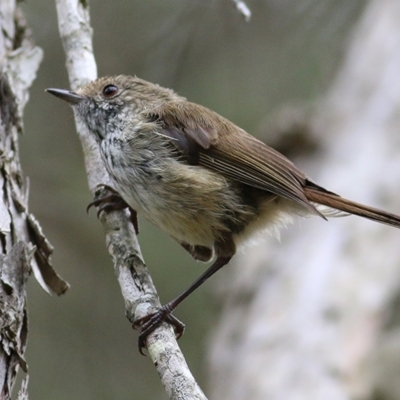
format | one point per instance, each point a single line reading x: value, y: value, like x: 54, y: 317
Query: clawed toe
x: 111, y: 201
x: 150, y: 322
x: 106, y: 199
x: 108, y: 203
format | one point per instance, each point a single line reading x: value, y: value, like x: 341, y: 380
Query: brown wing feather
x: 216, y: 143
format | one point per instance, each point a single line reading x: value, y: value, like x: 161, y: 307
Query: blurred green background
x: 80, y: 345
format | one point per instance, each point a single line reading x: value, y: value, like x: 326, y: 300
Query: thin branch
x: 136, y: 285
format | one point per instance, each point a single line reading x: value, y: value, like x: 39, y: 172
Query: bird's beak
x: 71, y: 97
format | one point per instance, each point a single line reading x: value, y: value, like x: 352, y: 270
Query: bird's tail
x: 318, y: 195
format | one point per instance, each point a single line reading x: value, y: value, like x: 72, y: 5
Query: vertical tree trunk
x: 23, y: 246
x: 301, y: 318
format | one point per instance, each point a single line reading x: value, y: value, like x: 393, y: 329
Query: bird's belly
x: 189, y: 204
x: 187, y: 223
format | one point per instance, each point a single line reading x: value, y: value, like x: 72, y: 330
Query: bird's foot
x: 108, y: 199
x: 152, y: 321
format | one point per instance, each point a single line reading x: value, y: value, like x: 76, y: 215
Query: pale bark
x: 23, y: 246
x: 136, y: 285
x: 302, y: 318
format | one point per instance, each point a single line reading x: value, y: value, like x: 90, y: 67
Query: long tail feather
x: 319, y: 195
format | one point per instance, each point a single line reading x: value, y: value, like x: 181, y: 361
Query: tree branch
x: 136, y: 285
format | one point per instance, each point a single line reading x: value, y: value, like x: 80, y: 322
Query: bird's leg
x: 200, y: 253
x: 108, y: 199
x: 150, y: 322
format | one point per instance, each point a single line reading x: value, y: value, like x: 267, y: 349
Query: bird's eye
x: 109, y: 91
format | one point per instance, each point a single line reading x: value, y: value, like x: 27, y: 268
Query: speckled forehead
x: 94, y: 88
x: 131, y: 87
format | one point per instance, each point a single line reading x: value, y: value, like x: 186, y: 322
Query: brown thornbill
x: 196, y: 175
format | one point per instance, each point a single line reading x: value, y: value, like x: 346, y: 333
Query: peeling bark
x: 23, y: 245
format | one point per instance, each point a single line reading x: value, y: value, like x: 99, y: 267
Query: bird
x: 196, y: 175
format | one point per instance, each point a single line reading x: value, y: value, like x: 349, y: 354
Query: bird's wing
x: 209, y: 140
